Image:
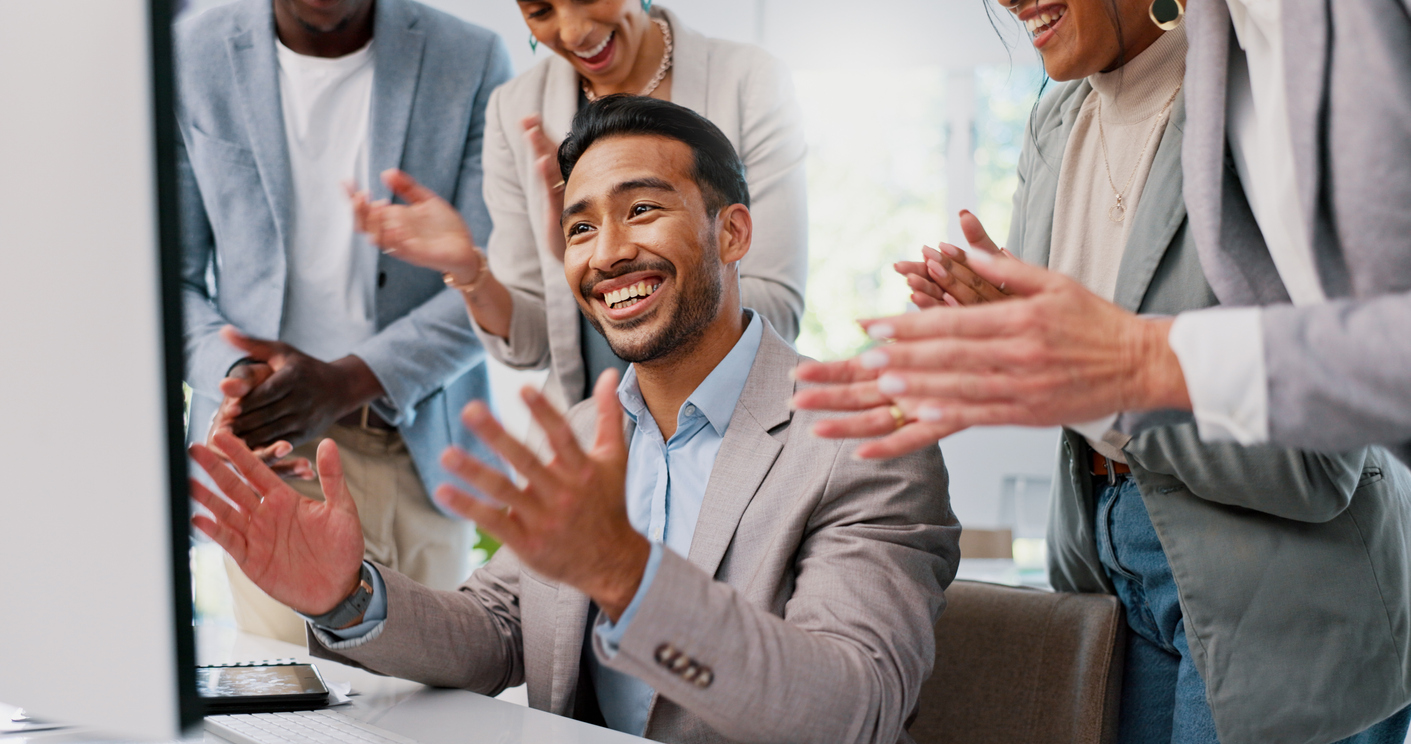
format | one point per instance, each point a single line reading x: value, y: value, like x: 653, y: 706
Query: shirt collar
x: 718, y: 393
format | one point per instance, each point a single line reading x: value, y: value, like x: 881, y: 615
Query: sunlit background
x: 913, y: 110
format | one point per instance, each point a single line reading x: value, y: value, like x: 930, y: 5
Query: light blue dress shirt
x: 666, y: 484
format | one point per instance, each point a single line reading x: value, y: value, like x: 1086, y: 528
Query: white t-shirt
x: 1221, y: 350
x: 329, y: 296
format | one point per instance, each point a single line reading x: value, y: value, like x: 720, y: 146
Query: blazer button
x: 680, y: 663
x: 666, y: 654
x: 704, y: 679
x: 690, y: 672
x: 381, y: 279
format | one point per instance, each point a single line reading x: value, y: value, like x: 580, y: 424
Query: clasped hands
x: 568, y: 522
x: 997, y: 342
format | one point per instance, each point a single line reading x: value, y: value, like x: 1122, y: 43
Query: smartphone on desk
x: 260, y: 688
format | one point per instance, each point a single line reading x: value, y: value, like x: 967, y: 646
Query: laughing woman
x: 1266, y: 590
x: 515, y: 289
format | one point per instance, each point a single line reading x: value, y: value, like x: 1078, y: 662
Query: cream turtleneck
x: 1087, y: 244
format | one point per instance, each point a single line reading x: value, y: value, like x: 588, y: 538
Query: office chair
x: 1023, y: 665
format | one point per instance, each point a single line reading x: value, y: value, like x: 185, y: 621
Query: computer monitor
x: 95, y: 592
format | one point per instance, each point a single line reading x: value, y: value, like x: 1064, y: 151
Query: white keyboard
x: 304, y: 727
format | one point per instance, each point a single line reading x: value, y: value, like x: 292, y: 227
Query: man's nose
x: 613, y: 246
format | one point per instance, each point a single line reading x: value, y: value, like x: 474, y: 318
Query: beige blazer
x: 745, y: 92
x: 810, y: 592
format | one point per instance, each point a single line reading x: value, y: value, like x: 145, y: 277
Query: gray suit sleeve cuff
x: 371, y: 626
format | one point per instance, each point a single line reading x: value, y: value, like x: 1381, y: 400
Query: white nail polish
x: 874, y: 359
x: 891, y: 385
x: 929, y: 414
x: 881, y: 331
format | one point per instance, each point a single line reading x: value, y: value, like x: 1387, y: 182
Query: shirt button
x: 690, y: 410
x: 656, y: 534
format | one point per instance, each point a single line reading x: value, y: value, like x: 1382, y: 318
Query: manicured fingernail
x: 929, y: 414
x: 937, y: 267
x: 891, y: 385
x: 950, y: 250
x: 881, y: 331
x: 874, y: 359
x: 979, y: 256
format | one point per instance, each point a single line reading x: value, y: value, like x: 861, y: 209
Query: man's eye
x: 579, y: 229
x: 640, y: 209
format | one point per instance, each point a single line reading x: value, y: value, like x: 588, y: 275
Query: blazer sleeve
x: 416, y: 355
x: 1337, y: 373
x: 846, y: 661
x: 773, y: 273
x: 468, y: 639
x: 208, y: 356
x: 513, y: 249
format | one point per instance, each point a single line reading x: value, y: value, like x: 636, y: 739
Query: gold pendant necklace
x: 1118, y: 211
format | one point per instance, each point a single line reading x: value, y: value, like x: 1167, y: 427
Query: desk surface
x: 429, y: 715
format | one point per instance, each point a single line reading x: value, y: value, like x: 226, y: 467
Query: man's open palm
x: 304, y: 553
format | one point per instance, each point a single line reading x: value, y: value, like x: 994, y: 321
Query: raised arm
x: 208, y: 357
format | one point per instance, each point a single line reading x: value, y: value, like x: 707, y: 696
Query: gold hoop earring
x: 1167, y: 14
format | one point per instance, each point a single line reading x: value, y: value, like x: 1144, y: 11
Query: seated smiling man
x: 702, y: 569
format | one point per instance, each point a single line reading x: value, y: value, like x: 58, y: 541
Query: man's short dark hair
x: 718, y: 171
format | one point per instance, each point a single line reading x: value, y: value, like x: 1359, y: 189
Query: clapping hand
x: 426, y: 231
x: 944, y: 277
x: 241, y: 380
x: 304, y: 553
x: 569, y: 521
x: 546, y: 168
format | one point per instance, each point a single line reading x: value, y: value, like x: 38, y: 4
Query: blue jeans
x: 1163, y: 696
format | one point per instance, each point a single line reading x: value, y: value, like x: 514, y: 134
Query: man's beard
x: 698, y: 304
x: 339, y: 25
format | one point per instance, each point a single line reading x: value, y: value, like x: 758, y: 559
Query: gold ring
x: 898, y: 415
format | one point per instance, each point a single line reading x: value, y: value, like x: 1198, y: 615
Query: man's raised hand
x: 241, y: 380
x: 569, y: 521
x: 304, y: 553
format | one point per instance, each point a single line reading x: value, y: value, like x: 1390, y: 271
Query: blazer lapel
x: 396, y: 69
x: 256, y: 73
x: 689, y: 64
x: 1043, y: 184
x: 748, y: 451
x: 1159, y: 215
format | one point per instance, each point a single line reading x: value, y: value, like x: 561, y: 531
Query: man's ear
x: 736, y: 230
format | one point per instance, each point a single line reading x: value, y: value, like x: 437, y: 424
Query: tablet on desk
x: 260, y: 688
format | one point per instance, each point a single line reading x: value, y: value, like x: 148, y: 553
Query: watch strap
x: 351, y: 607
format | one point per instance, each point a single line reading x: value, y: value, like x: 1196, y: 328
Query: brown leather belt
x: 366, y: 418
x: 1100, y: 465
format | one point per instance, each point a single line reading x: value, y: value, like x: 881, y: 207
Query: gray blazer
x: 810, y: 591
x: 742, y: 90
x: 1338, y: 372
x: 1293, y: 568
x: 431, y: 82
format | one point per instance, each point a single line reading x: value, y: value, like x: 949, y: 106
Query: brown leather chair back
x: 1023, y: 665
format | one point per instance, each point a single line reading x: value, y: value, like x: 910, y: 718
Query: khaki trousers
x: 401, y: 528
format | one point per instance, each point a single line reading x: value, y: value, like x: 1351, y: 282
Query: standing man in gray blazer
x: 723, y: 577
x: 1297, y: 176
x: 282, y: 104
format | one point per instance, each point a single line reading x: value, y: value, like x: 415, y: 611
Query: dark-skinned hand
x: 569, y: 521
x: 304, y: 553
x: 242, y: 379
x: 301, y: 397
x: 944, y: 277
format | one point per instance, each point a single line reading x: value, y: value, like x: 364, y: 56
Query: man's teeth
x: 595, y: 51
x: 625, y: 296
x: 1044, y: 19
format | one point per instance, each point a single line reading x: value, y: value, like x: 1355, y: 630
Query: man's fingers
x: 498, y: 521
x: 260, y: 477
x: 228, y: 482
x: 555, y: 428
x: 975, y: 233
x: 298, y: 467
x: 609, y: 437
x: 854, y: 396
x: 478, y: 419
x: 243, y: 378
x: 224, y: 513
x: 232, y: 542
x: 407, y: 187
x: 332, y: 480
x: 254, y: 348
x: 487, y: 480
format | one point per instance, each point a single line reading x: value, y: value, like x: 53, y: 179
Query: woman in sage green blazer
x: 1267, y: 591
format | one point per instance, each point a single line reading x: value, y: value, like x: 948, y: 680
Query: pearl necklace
x: 661, y: 70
